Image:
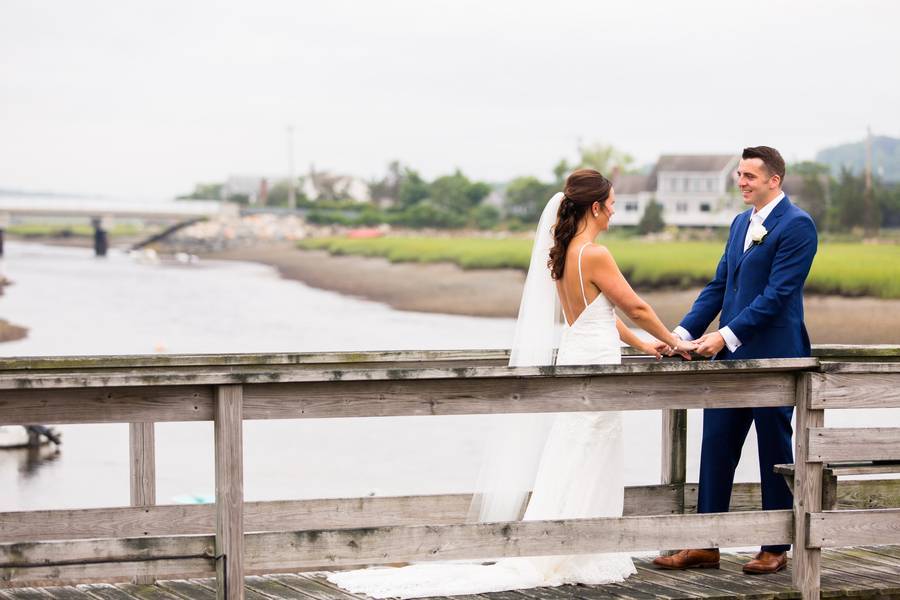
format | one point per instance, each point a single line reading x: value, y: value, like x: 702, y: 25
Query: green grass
x: 840, y: 268
x: 79, y: 230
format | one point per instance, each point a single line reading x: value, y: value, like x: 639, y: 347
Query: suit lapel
x: 770, y: 223
x: 737, y: 245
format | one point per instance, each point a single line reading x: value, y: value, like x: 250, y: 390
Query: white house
x: 324, y: 185
x: 694, y: 191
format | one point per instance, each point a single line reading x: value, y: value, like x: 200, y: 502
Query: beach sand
x: 446, y: 288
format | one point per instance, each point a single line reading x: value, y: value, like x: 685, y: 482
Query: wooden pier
x: 79, y: 553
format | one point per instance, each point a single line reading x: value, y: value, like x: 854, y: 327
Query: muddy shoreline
x: 446, y: 288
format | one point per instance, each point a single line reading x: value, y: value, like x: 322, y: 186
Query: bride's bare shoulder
x: 598, y: 253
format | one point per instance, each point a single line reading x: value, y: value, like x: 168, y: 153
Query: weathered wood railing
x: 233, y: 538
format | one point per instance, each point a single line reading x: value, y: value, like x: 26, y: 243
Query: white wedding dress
x: 580, y: 475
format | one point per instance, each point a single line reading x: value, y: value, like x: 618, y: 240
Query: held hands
x: 675, y: 346
x: 710, y: 344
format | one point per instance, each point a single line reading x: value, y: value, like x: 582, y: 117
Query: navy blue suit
x: 759, y: 294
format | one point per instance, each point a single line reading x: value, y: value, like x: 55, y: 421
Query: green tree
x: 204, y: 191
x: 527, y: 196
x: 561, y: 171
x: 485, y: 216
x: 889, y: 202
x: 427, y: 214
x: 604, y: 158
x: 412, y: 189
x: 278, y: 193
x: 848, y: 202
x: 455, y: 192
x: 386, y: 191
x: 652, y: 219
x: 814, y: 199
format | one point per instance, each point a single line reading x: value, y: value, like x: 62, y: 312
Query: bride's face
x: 607, y: 210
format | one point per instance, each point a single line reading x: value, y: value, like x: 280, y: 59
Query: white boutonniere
x: 758, y: 233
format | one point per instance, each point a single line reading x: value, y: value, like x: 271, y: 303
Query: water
x: 75, y: 304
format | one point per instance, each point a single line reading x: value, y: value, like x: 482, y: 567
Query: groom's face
x: 755, y: 181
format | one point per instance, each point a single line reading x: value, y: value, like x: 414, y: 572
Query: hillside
x: 885, y: 157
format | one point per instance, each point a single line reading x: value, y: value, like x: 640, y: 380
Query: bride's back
x: 576, y: 293
x: 584, y: 212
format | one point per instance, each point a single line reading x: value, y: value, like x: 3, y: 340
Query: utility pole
x: 292, y: 183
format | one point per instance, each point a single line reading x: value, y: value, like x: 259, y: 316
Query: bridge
x: 842, y: 531
x: 101, y: 211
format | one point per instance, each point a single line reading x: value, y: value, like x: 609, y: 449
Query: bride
x: 573, y: 462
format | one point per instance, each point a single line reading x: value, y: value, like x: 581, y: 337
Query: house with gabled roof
x: 694, y: 190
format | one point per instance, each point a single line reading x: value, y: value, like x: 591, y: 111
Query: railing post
x: 807, y: 490
x: 229, y: 492
x: 673, y: 456
x: 142, y: 466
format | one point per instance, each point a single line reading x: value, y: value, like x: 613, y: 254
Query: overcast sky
x: 149, y: 97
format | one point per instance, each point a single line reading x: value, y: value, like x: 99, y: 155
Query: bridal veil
x: 516, y: 441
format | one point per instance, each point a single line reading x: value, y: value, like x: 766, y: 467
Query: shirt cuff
x: 683, y: 334
x: 731, y: 340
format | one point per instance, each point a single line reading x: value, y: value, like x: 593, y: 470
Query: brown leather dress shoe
x: 689, y: 559
x: 766, y: 562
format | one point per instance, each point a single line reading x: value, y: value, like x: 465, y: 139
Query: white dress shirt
x: 758, y: 216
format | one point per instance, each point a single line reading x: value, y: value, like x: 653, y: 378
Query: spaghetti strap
x: 580, y: 278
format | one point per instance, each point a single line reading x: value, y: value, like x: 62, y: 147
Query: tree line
x: 403, y: 197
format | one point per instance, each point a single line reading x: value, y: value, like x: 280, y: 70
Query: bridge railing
x: 232, y: 537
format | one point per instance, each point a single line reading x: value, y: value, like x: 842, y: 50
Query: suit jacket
x: 760, y: 292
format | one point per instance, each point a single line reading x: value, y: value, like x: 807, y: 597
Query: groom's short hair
x: 771, y: 159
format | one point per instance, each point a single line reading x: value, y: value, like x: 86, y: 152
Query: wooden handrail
x: 228, y: 389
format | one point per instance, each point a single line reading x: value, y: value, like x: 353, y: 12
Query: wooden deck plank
x: 603, y: 593
x: 146, y: 592
x: 272, y: 589
x: 856, y: 564
x: 834, y: 584
x: 888, y: 551
x: 311, y: 587
x: 866, y: 556
x: 851, y: 573
x: 190, y: 590
x: 780, y: 583
x: 550, y: 593
x: 67, y: 593
x: 554, y: 593
x: 209, y: 583
x: 26, y: 593
x: 105, y: 591
x: 738, y: 584
x: 688, y: 587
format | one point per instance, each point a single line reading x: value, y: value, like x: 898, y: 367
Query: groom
x: 758, y: 288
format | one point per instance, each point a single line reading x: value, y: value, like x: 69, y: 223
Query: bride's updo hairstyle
x: 583, y: 188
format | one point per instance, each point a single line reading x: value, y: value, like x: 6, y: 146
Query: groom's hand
x: 710, y: 344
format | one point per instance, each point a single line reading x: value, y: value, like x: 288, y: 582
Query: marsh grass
x: 846, y: 269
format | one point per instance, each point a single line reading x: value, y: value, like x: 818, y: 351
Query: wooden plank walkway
x: 863, y: 572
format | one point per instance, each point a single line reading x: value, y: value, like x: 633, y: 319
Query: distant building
x: 694, y: 190
x: 254, y: 188
x: 324, y: 185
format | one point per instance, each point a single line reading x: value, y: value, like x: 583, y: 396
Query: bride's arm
x: 603, y: 272
x: 630, y: 338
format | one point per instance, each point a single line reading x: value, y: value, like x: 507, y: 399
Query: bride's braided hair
x: 583, y: 188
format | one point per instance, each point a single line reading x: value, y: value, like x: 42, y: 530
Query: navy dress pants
x: 724, y: 432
